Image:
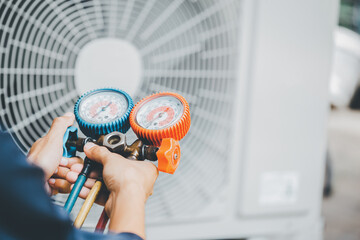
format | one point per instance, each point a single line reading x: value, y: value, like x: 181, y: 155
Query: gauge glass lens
x: 103, y: 106
x: 159, y: 112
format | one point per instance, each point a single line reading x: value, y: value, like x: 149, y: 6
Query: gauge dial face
x: 159, y: 112
x: 103, y: 106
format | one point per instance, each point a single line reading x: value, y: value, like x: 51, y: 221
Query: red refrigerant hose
x: 103, y: 220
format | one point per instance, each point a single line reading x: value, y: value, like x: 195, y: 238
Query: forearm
x: 128, y: 212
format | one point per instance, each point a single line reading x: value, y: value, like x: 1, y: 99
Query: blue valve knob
x: 70, y: 135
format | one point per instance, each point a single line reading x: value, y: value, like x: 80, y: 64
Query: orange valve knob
x: 168, y: 155
x: 159, y: 116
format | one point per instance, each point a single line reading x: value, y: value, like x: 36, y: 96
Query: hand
x: 121, y: 174
x: 74, y: 168
x: 47, y: 151
x: 57, y: 182
x: 130, y: 183
x: 72, y: 174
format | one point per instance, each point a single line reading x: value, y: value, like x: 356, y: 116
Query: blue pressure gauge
x: 102, y: 111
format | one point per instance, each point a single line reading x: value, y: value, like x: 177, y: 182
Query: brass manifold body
x: 116, y: 142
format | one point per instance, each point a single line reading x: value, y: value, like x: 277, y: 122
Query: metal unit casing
x: 255, y: 74
x: 279, y: 128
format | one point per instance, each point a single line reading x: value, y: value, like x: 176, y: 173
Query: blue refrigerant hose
x: 83, y: 175
x: 70, y: 202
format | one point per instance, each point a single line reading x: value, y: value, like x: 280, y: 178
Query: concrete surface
x: 342, y: 210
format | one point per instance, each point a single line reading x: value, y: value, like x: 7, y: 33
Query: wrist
x: 132, y: 190
x: 128, y: 211
x: 131, y: 194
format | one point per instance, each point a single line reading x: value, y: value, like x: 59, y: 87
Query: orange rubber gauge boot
x: 159, y: 117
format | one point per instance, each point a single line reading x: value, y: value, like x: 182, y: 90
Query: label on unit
x: 278, y: 188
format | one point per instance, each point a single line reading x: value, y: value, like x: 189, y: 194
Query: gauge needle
x: 158, y: 116
x: 102, y: 109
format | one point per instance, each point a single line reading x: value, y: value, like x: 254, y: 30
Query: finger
x: 90, y: 182
x: 60, y: 185
x: 78, y: 167
x: 95, y: 174
x: 69, y: 162
x: 84, y: 192
x: 61, y: 172
x: 73, y: 176
x: 60, y: 124
x: 96, y: 153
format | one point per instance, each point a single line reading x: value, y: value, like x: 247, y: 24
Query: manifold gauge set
x: 104, y: 116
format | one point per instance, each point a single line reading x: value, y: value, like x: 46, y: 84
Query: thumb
x: 60, y: 124
x: 96, y: 153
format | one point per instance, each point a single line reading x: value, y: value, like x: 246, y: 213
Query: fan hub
x: 108, y: 62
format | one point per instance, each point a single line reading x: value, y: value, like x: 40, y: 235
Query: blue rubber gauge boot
x: 102, y: 111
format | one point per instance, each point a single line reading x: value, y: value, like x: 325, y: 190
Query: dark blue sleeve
x: 26, y: 211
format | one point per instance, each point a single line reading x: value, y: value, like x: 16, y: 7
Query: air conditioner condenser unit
x: 254, y: 72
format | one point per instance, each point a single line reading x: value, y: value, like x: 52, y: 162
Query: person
x: 26, y: 210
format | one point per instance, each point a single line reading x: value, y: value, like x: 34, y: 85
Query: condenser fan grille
x: 188, y: 47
